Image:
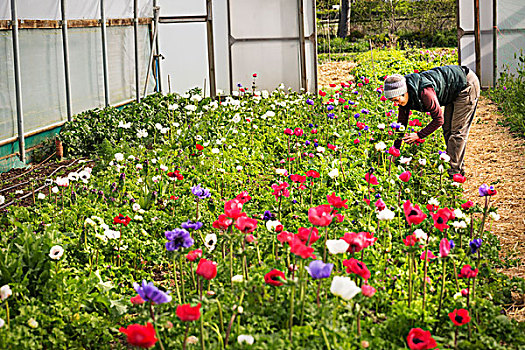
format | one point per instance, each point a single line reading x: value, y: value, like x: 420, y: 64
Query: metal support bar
x: 230, y: 65
x: 155, y: 32
x: 157, y: 54
x: 18, y: 84
x: 104, y: 53
x: 458, y: 28
x: 494, y: 42
x: 211, y: 49
x: 314, y: 41
x: 183, y: 19
x: 136, y: 36
x: 302, y: 48
x: 65, y: 49
x: 477, y: 39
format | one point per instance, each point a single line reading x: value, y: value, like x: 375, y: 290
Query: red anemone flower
x: 337, y: 202
x: 467, y: 272
x: 303, y: 233
x: 137, y: 300
x: 410, y: 240
x: 243, y: 197
x: 285, y: 237
x: 357, y: 267
x: 312, y: 173
x: 405, y: 176
x: 188, y: 313
x: 467, y: 205
x: 274, y: 278
x: 298, y: 178
x: 233, y: 209
x: 413, y: 214
x: 419, y: 339
x: 441, y: 218
x: 371, y: 179
x: 194, y: 255
x: 394, y: 151
x: 459, y: 317
x: 246, y: 224
x: 121, y: 219
x: 356, y: 241
x: 207, y: 269
x: 140, y: 336
x: 459, y: 178
x: 320, y: 216
x: 223, y: 222
x: 444, y: 248
x: 297, y: 247
x: 199, y: 147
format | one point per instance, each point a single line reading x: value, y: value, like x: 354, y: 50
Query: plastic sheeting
x: 182, y: 7
x: 510, y: 36
x: 75, y: 9
x: 183, y: 46
x: 42, y: 72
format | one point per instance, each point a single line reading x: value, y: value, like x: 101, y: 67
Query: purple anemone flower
x: 309, y: 102
x: 486, y: 190
x: 190, y: 225
x: 268, y: 215
x: 149, y: 292
x: 178, y: 238
x: 330, y: 107
x: 318, y: 269
x: 475, y: 244
x: 200, y: 192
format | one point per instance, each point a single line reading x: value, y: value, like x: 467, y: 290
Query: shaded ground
x: 494, y: 157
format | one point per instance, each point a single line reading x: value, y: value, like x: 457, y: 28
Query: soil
x: 17, y: 185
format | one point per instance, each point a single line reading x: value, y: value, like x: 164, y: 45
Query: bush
x: 509, y: 94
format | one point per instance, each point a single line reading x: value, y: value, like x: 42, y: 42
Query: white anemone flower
x: 494, y: 216
x: 2, y: 199
x: 41, y: 196
x: 244, y: 338
x: 5, y: 292
x: 73, y: 176
x: 334, y: 173
x: 142, y: 133
x: 210, y: 241
x: 337, y: 246
x: 386, y: 214
x: 405, y: 160
x: 422, y: 161
x: 136, y: 207
x: 237, y: 279
x: 56, y: 252
x: 420, y: 235
x: 271, y: 225
x: 380, y: 146
x: 344, y: 287
x: 444, y: 157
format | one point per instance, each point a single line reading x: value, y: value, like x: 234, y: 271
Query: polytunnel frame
x: 476, y: 33
x: 63, y: 24
x: 301, y: 38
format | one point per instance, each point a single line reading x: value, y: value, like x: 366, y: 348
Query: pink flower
x: 356, y: 241
x: 246, y: 224
x: 430, y: 255
x: 405, y: 176
x: 368, y: 290
x: 280, y: 190
x: 371, y: 179
x: 288, y: 131
x: 380, y: 205
x: 298, y: 132
x: 444, y: 248
x: 320, y: 216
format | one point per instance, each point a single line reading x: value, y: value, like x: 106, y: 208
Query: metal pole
x: 230, y: 43
x: 157, y: 58
x: 18, y: 82
x: 150, y: 61
x: 314, y: 42
x: 302, y: 49
x: 458, y: 28
x: 104, y: 52
x: 477, y: 39
x: 211, y: 49
x: 65, y: 48
x: 494, y: 42
x: 136, y: 30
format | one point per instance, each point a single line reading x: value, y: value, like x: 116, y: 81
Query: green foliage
x: 509, y: 94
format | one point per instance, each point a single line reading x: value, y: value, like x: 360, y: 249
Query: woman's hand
x: 410, y: 138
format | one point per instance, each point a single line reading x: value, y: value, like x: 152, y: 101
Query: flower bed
x: 271, y: 221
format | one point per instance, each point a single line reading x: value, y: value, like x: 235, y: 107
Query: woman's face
x: 401, y: 100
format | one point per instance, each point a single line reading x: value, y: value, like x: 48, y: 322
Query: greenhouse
x: 263, y: 174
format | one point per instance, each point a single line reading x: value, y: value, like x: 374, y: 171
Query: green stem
x: 292, y: 297
x: 181, y: 272
x: 442, y: 288
x: 410, y: 286
x: 7, y: 312
x: 155, y: 325
x: 175, y: 278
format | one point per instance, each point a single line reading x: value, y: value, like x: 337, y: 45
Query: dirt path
x: 494, y: 157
